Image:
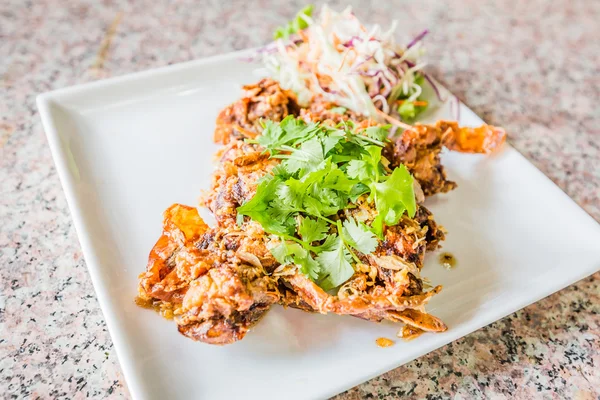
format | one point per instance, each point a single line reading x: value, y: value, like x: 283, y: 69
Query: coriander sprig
x: 324, y: 170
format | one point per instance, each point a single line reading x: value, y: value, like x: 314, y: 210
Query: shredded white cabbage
x: 338, y: 58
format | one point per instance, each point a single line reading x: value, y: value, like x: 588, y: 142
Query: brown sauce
x: 144, y: 303
x: 447, y: 260
x: 384, y: 342
x: 159, y: 307
x: 410, y: 332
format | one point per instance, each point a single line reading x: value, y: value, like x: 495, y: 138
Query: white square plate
x: 127, y: 148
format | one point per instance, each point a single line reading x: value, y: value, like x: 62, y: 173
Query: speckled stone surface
x: 530, y: 66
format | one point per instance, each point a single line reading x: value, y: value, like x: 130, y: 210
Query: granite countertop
x: 531, y: 67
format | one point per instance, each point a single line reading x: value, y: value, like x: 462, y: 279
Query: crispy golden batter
x: 263, y: 100
x: 419, y: 149
x: 219, y: 281
x: 234, y: 181
x: 207, y: 277
x: 320, y: 110
x: 484, y: 139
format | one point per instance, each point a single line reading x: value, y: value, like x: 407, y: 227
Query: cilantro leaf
x: 257, y: 207
x: 359, y: 236
x: 317, y: 176
x: 280, y: 172
x: 338, y: 180
x: 328, y: 244
x: 321, y: 203
x: 261, y: 198
x: 292, y: 127
x: 289, y: 131
x: 377, y: 226
x: 379, y: 133
x: 271, y: 136
x: 308, y: 157
x: 369, y: 168
x: 373, y: 157
x: 331, y: 140
x: 308, y: 265
x: 311, y: 230
x: 358, y: 169
x: 347, y: 151
x: 288, y: 194
x: 285, y: 250
x: 320, y: 199
x: 293, y: 253
x: 357, y: 191
x: 373, y: 135
x: 283, y: 214
x: 335, y: 265
x: 392, y: 197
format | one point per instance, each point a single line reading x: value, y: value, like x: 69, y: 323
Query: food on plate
x: 384, y: 342
x: 334, y: 56
x: 447, y: 260
x: 308, y: 215
x: 318, y: 206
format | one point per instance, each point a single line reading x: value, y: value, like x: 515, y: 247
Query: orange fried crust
x: 217, y: 282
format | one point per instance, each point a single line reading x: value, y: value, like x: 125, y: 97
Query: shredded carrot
x: 345, y: 56
x: 336, y: 41
x: 303, y: 35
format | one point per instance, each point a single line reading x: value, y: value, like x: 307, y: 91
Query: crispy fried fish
x: 218, y: 282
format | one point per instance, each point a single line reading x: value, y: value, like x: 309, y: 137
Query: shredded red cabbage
x: 371, y: 74
x: 457, y: 108
x: 435, y: 89
x: 350, y: 43
x: 362, y: 62
x: 417, y: 39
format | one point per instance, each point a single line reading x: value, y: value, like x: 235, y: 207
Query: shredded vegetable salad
x: 335, y: 56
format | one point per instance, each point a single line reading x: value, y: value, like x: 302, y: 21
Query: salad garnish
x: 359, y: 68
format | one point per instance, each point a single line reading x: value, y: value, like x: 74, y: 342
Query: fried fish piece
x: 321, y: 110
x: 484, y: 139
x: 263, y: 100
x: 174, y: 260
x: 216, y: 296
x: 374, y: 303
x: 218, y: 282
x: 419, y: 150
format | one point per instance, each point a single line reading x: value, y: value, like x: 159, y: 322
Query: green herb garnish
x: 295, y: 25
x: 324, y: 170
x: 338, y: 110
x: 409, y: 110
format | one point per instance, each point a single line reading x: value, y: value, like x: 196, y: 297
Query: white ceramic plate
x: 126, y: 148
